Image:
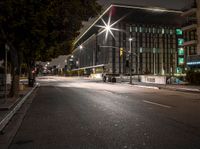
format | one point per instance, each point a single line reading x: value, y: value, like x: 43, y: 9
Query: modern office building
x: 191, y: 30
x: 152, y: 35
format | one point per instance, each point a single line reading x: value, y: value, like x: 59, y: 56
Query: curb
x: 188, y: 90
x: 149, y: 87
x: 141, y: 86
x: 9, y: 115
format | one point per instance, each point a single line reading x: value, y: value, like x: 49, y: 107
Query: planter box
x: 153, y: 79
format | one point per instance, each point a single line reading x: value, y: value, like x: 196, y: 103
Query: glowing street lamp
x: 81, y: 47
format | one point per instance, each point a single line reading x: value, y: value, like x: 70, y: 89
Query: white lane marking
x: 157, y: 104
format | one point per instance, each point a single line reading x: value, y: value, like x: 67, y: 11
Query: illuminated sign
x: 180, y: 41
x: 180, y: 51
x: 180, y: 60
x: 193, y: 63
x: 179, y: 32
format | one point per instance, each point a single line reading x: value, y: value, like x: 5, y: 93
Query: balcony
x: 189, y: 12
x: 189, y: 43
x: 189, y: 27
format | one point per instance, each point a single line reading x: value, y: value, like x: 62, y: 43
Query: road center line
x: 157, y: 104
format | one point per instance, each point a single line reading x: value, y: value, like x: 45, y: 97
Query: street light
x: 80, y: 47
x: 131, y: 59
x: 78, y: 62
x: 108, y: 28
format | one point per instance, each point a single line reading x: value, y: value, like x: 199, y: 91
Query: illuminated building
x: 156, y: 40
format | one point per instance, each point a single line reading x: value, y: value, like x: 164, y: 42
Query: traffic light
x: 121, y: 51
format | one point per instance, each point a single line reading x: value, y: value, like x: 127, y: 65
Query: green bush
x: 193, y: 77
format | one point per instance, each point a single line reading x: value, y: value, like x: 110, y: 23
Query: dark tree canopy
x: 43, y: 29
x: 40, y: 30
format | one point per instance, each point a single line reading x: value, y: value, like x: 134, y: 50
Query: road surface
x: 72, y: 113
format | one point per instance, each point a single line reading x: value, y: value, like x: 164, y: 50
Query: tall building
x: 153, y: 36
x: 191, y: 29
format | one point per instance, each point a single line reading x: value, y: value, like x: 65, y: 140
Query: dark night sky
x: 168, y: 4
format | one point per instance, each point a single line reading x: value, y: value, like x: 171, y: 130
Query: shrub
x: 193, y: 77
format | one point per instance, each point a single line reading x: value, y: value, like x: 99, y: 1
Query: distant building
x: 55, y: 66
x: 153, y: 34
x: 191, y: 45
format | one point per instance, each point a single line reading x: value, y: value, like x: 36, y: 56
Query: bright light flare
x: 108, y: 27
x: 81, y: 47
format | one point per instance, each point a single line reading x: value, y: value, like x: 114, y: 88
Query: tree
x: 41, y: 30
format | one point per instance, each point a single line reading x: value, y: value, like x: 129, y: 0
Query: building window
x: 180, y: 61
x: 136, y: 29
x: 180, y: 41
x: 140, y: 29
x: 171, y: 31
x: 154, y: 30
x: 163, y: 30
x: 179, y: 32
x: 130, y: 29
x: 149, y: 29
x: 180, y: 51
x: 141, y: 50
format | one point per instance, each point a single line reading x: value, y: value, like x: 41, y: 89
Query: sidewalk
x: 8, y: 109
x: 185, y: 88
x: 174, y: 87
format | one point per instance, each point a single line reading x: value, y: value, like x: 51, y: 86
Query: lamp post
x: 131, y: 59
x: 108, y: 28
x: 79, y: 63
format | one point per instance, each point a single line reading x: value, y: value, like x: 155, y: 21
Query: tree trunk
x: 14, y: 65
x: 31, y: 75
x: 14, y: 91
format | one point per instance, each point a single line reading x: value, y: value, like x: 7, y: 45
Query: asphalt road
x: 83, y: 114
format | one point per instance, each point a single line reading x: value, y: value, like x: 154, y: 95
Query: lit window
x: 154, y: 50
x: 171, y: 31
x: 180, y: 51
x: 130, y: 29
x: 179, y: 32
x: 163, y: 30
x: 140, y: 29
x: 180, y: 60
x: 136, y: 29
x: 149, y: 30
x: 153, y: 30
x: 141, y: 50
x: 146, y: 30
x: 180, y: 41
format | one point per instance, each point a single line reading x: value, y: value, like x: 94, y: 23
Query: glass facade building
x: 154, y: 44
x: 191, y: 35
